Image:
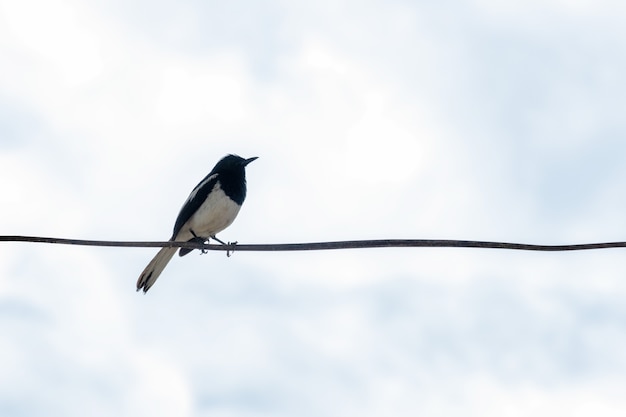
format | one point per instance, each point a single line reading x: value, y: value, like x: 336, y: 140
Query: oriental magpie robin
x: 210, y: 208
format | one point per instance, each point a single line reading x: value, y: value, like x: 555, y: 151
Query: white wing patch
x: 195, y: 190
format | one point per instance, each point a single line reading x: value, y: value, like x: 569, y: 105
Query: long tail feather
x: 154, y: 268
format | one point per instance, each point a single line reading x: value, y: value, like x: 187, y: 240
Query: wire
x: 348, y: 244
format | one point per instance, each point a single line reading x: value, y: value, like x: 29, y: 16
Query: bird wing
x: 194, y: 201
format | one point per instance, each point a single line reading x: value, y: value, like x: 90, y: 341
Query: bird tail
x: 154, y: 268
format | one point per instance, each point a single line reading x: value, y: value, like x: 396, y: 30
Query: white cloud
x: 56, y: 34
x: 208, y: 94
x: 378, y: 149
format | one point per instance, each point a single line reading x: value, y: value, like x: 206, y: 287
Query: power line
x: 347, y: 244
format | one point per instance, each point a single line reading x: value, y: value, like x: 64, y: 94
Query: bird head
x: 232, y: 163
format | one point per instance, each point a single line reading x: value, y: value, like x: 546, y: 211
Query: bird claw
x: 231, y: 251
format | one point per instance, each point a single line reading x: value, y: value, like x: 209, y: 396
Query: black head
x: 232, y: 163
x: 232, y: 176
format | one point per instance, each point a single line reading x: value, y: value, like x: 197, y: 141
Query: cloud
x: 371, y: 121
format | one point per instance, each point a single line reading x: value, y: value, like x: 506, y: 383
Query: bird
x: 210, y: 208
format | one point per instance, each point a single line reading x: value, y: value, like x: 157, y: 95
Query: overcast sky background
x: 479, y: 119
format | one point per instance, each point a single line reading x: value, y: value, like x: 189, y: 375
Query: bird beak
x: 247, y: 161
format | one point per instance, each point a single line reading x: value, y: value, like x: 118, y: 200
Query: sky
x: 482, y: 120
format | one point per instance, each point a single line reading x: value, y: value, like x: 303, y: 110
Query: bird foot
x: 232, y: 250
x: 229, y: 251
x: 199, y: 239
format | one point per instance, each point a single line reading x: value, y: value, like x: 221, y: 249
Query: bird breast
x: 215, y: 214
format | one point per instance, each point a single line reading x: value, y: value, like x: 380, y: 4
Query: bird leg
x: 215, y: 238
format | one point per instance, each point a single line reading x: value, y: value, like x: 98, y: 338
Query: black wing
x: 194, y: 201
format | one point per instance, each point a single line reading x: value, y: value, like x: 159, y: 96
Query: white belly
x: 214, y: 215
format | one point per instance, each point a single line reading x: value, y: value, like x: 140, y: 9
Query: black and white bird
x: 210, y: 208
